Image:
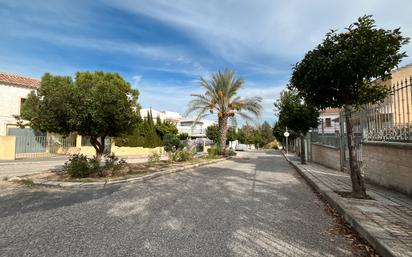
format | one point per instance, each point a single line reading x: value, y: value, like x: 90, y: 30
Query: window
x: 22, y: 100
x: 328, y: 122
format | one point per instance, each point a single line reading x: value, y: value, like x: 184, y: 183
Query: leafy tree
x: 95, y: 104
x: 266, y: 133
x: 249, y: 135
x: 231, y: 134
x: 166, y: 127
x: 183, y: 136
x: 221, y: 97
x: 297, y: 115
x: 172, y: 143
x: 340, y: 71
x: 146, y: 133
x: 212, y: 132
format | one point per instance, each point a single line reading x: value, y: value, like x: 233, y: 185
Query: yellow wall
x: 130, y: 151
x: 116, y: 150
x: 7, y: 147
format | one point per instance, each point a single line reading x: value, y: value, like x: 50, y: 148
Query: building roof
x: 16, y: 80
x: 330, y: 110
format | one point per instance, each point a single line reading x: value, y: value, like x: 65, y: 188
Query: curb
x: 122, y: 181
x: 360, y: 225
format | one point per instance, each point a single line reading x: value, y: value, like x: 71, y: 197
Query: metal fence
x: 326, y: 139
x: 390, y: 120
x: 42, y: 146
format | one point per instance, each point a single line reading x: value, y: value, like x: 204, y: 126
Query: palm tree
x: 221, y: 97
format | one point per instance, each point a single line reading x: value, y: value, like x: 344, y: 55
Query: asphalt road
x: 253, y: 205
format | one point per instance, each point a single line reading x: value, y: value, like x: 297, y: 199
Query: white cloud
x: 241, y: 30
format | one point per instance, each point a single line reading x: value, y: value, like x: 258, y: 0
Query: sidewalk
x: 385, y: 222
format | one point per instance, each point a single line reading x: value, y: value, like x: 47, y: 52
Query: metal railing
x: 390, y: 120
x: 326, y: 139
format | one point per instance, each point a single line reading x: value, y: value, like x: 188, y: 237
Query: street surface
x: 252, y: 205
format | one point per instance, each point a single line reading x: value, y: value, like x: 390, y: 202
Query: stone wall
x: 389, y: 164
x: 326, y: 155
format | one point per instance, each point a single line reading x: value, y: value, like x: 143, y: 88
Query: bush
x: 212, y: 152
x: 79, y: 166
x: 112, y: 165
x: 184, y: 155
x: 230, y: 153
x: 171, y: 143
x: 153, y: 158
x: 272, y: 145
x: 183, y: 136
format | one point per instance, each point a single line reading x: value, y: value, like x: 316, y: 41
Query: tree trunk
x: 302, y: 149
x: 358, y: 183
x: 223, y: 132
x: 98, y: 146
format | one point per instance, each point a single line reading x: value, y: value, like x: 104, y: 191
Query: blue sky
x: 163, y: 47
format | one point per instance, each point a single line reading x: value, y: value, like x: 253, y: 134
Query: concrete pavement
x: 252, y: 205
x: 384, y: 221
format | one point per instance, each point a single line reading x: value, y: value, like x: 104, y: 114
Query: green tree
x: 340, y: 72
x: 221, y: 97
x: 266, y: 133
x: 165, y: 127
x: 212, y: 132
x: 172, y: 143
x: 183, y: 136
x: 298, y: 116
x: 95, y: 104
x: 249, y: 135
x: 231, y: 134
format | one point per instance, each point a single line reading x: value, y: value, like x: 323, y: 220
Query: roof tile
x: 13, y: 79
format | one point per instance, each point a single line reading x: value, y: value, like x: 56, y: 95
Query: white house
x: 329, y: 121
x: 13, y: 92
x: 174, y: 117
x: 193, y: 128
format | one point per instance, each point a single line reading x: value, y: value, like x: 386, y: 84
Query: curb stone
x: 360, y: 224
x: 122, y: 181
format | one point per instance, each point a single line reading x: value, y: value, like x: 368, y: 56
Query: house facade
x: 195, y: 129
x: 14, y: 90
x: 328, y: 121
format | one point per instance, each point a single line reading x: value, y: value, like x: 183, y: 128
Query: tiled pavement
x: 385, y: 221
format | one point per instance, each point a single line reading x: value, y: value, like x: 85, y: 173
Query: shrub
x: 230, y: 153
x: 171, y: 143
x: 184, y: 155
x: 272, y: 145
x: 153, y: 158
x: 112, y: 165
x: 79, y: 166
x: 212, y: 152
x: 183, y: 136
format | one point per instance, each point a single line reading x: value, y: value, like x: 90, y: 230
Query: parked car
x: 241, y: 147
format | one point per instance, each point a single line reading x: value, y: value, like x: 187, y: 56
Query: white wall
x: 10, y: 104
x: 334, y: 125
